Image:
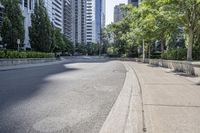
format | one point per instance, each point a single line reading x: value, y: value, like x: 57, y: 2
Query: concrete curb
x: 126, y: 114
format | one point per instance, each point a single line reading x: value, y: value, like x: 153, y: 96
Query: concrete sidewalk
x: 171, y: 102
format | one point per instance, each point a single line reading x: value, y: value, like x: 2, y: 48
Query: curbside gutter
x: 126, y: 114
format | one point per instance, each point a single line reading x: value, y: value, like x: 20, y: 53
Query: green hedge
x: 175, y: 54
x: 196, y: 54
x: 16, y: 54
x: 180, y: 54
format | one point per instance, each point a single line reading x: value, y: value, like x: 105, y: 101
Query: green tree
x: 189, y: 16
x: 59, y: 42
x: 12, y: 28
x: 69, y: 47
x: 81, y: 48
x: 41, y: 33
x: 5, y: 31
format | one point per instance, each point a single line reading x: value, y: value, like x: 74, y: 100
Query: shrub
x: 112, y: 52
x: 175, y: 54
x: 196, y: 53
x: 16, y: 54
x: 2, y: 54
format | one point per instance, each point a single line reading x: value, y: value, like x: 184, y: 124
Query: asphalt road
x: 61, y: 98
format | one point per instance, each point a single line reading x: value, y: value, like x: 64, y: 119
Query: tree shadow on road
x: 17, y: 85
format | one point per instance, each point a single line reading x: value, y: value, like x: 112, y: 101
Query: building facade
x: 90, y: 21
x: 134, y: 2
x: 118, y: 13
x: 1, y: 14
x: 78, y: 21
x: 55, y: 10
x: 81, y: 21
x: 95, y: 20
x: 67, y: 23
x: 27, y: 7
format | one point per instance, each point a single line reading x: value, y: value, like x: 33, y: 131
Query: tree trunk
x: 190, y: 44
x: 162, y: 46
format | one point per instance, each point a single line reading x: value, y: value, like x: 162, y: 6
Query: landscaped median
x: 10, y: 58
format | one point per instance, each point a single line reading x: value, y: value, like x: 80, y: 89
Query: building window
x: 25, y: 3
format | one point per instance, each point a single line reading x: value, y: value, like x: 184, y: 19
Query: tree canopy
x: 158, y: 21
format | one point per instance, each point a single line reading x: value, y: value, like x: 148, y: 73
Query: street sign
x: 18, y: 41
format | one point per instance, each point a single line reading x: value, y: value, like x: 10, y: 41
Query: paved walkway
x: 171, y: 102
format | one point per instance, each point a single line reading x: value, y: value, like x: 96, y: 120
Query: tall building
x: 67, y: 17
x: 55, y: 10
x: 134, y: 2
x: 103, y: 13
x: 90, y: 21
x: 100, y: 18
x: 1, y: 14
x: 118, y: 13
x: 95, y: 20
x: 78, y: 21
x: 27, y: 7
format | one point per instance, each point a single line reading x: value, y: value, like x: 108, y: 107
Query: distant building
x: 119, y: 14
x: 1, y: 14
x: 78, y: 21
x: 27, y: 7
x: 134, y: 2
x: 67, y: 19
x: 55, y: 12
x: 95, y: 20
x: 55, y: 9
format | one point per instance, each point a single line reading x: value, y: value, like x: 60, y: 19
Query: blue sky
x: 110, y: 4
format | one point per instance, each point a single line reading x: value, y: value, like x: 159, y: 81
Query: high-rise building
x: 27, y: 7
x: 78, y: 21
x: 100, y: 18
x: 103, y: 13
x: 67, y: 19
x: 1, y: 14
x: 134, y: 2
x: 95, y: 20
x: 54, y: 9
x: 90, y: 21
x: 55, y: 12
x: 119, y: 13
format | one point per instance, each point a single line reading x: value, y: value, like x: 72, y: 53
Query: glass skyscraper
x: 95, y: 20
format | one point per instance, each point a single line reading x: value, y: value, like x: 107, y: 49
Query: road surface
x: 62, y: 98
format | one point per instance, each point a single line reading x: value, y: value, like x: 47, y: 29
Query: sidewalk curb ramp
x: 126, y: 114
